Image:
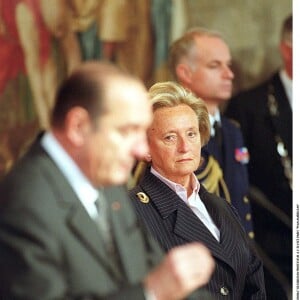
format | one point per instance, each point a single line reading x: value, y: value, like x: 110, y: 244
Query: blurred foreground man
x: 65, y: 231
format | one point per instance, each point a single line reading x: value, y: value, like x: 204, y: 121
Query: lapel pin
x: 116, y: 205
x: 143, y: 197
x: 241, y: 155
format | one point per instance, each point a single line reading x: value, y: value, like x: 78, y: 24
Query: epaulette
x: 211, y: 176
x: 136, y: 174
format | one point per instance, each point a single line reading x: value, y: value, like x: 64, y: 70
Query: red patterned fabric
x: 11, y: 52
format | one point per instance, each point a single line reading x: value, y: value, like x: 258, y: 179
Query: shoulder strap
x: 211, y: 176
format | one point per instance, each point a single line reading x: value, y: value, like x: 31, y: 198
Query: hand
x: 183, y: 270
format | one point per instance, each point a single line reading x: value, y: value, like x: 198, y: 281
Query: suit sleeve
x: 255, y: 285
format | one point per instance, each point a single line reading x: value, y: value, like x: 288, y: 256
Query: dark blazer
x: 238, y: 273
x: 234, y: 170
x: 51, y: 249
x: 250, y: 109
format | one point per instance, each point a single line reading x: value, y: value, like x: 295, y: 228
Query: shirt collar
x: 176, y: 187
x: 288, y: 85
x: 212, y: 119
x: 82, y: 187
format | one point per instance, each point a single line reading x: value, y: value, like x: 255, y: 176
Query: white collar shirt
x: 82, y: 187
x: 288, y: 85
x: 193, y: 201
x: 212, y: 119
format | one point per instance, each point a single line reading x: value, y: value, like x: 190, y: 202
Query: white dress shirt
x: 212, y: 119
x: 84, y: 190
x: 288, y: 86
x: 193, y: 201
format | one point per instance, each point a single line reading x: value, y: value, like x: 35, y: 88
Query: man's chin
x: 120, y: 179
x: 226, y: 95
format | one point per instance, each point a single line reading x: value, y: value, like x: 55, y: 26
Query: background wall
x: 252, y: 29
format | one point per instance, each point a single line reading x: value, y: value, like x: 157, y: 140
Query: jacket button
x: 248, y: 217
x: 224, y: 291
x: 246, y: 200
x: 251, y: 234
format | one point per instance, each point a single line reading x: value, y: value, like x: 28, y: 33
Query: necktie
x: 103, y: 222
x: 218, y: 134
x: 219, y: 143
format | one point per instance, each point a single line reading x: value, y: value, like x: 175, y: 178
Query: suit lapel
x: 127, y: 234
x: 189, y: 227
x: 219, y: 213
x: 87, y: 232
x: 77, y: 218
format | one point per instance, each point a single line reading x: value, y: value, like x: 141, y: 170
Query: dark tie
x: 219, y: 143
x: 218, y: 134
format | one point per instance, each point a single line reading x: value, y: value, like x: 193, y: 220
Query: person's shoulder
x: 30, y: 182
x: 24, y: 169
x: 231, y: 123
x: 250, y: 94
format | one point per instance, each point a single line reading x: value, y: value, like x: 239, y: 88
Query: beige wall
x: 252, y: 29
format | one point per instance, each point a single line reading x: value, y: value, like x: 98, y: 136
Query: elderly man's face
x: 120, y: 137
x: 175, y: 142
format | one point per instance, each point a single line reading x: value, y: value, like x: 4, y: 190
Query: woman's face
x: 175, y: 142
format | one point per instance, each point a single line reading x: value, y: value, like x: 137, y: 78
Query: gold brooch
x: 143, y: 197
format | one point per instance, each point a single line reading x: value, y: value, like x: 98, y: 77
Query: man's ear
x: 184, y: 73
x: 78, y: 125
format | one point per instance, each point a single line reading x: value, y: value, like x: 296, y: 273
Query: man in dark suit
x: 65, y: 231
x: 265, y: 115
x: 200, y: 60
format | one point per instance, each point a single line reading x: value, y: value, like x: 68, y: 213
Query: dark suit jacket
x: 250, y: 109
x: 234, y: 171
x: 51, y: 249
x: 238, y: 271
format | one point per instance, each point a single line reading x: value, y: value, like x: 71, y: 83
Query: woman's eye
x: 191, y: 134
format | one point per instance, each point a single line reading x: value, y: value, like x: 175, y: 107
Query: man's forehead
x: 216, y: 50
x: 128, y: 102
